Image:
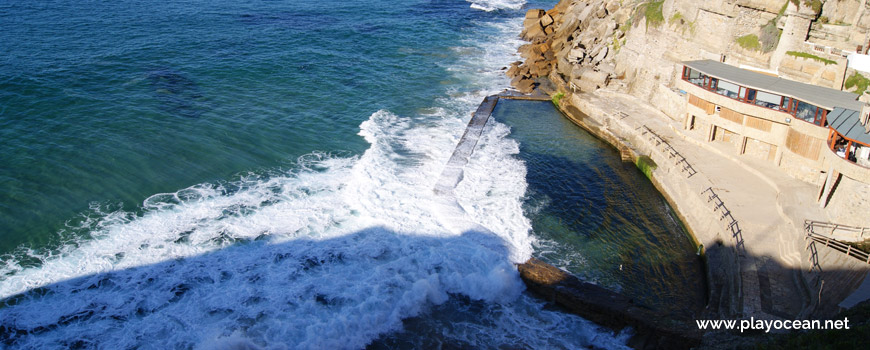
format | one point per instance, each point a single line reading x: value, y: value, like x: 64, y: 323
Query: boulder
x: 546, y: 20
x: 540, y: 68
x: 534, y: 13
x: 525, y: 85
x: 584, y: 15
x: 564, y: 67
x: 612, y: 6
x: 595, y: 77
x: 576, y: 55
x: 602, y: 54
x: 601, y: 12
x: 514, y: 70
x: 526, y: 51
x: 534, y: 32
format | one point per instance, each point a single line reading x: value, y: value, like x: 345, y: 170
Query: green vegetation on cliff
x: 650, y: 10
x: 816, y: 5
x: 646, y: 165
x: 653, y: 13
x: 749, y: 42
x: 811, y: 56
x: 859, y: 81
x: 557, y: 97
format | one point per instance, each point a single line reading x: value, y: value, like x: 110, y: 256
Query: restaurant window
x: 728, y: 88
x: 785, y: 104
x: 821, y: 115
x: 695, y: 77
x: 749, y: 95
x: 768, y: 100
x: 806, y: 112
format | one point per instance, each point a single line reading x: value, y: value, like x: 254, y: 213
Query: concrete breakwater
x: 653, y: 329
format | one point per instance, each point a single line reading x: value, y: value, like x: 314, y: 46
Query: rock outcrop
x: 585, y: 45
x: 652, y: 331
x: 572, y: 39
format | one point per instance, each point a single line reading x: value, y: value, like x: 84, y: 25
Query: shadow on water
x: 177, y: 94
x: 363, y: 284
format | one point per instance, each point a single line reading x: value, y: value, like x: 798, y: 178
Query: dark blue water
x: 216, y: 174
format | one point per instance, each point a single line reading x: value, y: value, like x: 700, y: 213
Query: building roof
x: 817, y: 95
x: 847, y: 122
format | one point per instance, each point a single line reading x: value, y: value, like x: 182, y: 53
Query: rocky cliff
x: 636, y: 46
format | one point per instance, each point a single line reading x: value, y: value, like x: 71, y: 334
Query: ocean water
x: 217, y: 174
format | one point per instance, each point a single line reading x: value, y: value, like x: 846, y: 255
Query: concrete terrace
x: 768, y: 205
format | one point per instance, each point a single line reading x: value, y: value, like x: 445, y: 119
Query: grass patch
x: 646, y: 165
x: 653, y: 13
x: 557, y: 97
x: 859, y: 81
x: 676, y: 17
x: 811, y: 56
x: 816, y: 5
x: 749, y: 42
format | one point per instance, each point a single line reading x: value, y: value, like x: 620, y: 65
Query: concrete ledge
x: 612, y: 310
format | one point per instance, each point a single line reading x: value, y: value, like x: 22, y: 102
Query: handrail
x: 852, y: 233
x: 731, y: 224
x: 669, y: 151
x: 829, y: 242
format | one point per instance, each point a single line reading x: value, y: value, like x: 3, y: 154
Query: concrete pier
x: 452, y: 173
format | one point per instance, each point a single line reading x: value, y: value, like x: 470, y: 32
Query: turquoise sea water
x: 105, y: 104
x: 212, y: 174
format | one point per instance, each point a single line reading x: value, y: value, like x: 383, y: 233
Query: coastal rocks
x: 652, y: 330
x: 571, y: 35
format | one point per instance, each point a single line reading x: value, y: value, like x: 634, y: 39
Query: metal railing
x: 667, y: 150
x: 814, y: 238
x: 836, y: 231
x: 731, y: 225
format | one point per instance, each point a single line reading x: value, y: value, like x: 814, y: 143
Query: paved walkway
x: 769, y: 206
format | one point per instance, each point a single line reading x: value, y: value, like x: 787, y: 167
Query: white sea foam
x: 492, y: 5
x: 332, y: 254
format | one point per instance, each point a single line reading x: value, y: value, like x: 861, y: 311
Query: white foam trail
x: 492, y: 5
x: 332, y: 254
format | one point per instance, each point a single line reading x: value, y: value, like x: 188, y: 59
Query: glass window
x: 785, y: 102
x: 768, y: 100
x: 806, y: 111
x: 713, y: 83
x: 695, y: 77
x: 820, y: 116
x: 727, y: 88
x: 750, y: 95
